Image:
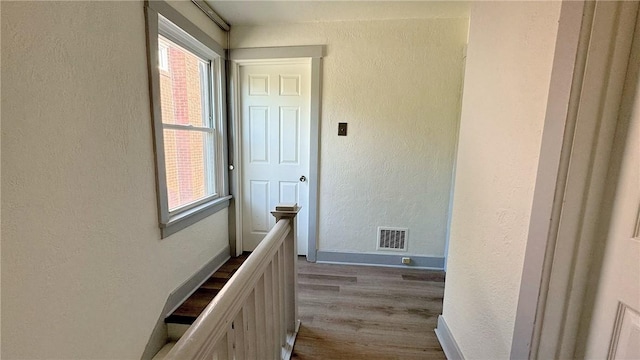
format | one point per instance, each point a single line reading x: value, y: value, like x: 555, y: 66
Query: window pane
x: 189, y: 163
x: 184, y: 86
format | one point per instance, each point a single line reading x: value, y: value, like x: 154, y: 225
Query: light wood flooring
x: 361, y: 312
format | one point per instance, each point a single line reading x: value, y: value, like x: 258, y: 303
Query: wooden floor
x: 351, y: 312
x: 360, y: 312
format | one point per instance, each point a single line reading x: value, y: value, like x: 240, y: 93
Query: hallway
x: 362, y: 312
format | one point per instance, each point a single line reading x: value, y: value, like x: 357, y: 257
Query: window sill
x: 193, y: 215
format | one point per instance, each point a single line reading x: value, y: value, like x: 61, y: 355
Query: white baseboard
x: 391, y: 260
x: 447, y: 341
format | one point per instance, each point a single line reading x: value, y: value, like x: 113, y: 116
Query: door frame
x: 273, y: 55
x: 570, y: 213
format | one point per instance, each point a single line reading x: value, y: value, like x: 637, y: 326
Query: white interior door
x: 614, y: 332
x: 275, y: 112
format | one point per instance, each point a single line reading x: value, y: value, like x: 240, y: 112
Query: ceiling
x: 273, y: 12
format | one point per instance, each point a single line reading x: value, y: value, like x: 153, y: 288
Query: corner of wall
x: 447, y: 341
x: 506, y: 86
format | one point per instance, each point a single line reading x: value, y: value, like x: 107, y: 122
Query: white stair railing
x: 255, y: 315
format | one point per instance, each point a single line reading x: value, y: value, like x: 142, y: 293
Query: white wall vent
x: 392, y: 238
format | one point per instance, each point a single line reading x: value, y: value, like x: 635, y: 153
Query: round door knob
x: 303, y: 178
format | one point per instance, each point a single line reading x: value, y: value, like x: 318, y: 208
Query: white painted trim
x: 166, y: 10
x: 280, y: 52
x: 278, y: 61
x: 279, y: 55
x: 561, y: 259
x: 236, y: 156
x: 618, y: 100
x: 314, y: 156
x: 548, y: 188
x: 376, y: 259
x: 161, y: 18
x: 193, y: 215
x: 447, y: 341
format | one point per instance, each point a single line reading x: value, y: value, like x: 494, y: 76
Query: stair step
x: 180, y: 320
x: 164, y: 351
x: 192, y: 307
x: 189, y: 311
x: 175, y: 331
x: 214, y: 284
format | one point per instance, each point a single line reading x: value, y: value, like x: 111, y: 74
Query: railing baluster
x: 221, y: 350
x: 268, y: 309
x: 238, y: 341
x: 231, y: 339
x: 276, y: 303
x: 261, y: 327
x: 249, y: 319
x: 255, y: 314
x: 290, y: 313
x: 281, y: 293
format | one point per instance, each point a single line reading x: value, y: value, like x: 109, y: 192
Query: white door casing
x: 614, y: 332
x: 572, y: 199
x: 275, y: 99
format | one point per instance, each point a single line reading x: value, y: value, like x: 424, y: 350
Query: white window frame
x: 163, y: 20
x: 163, y: 57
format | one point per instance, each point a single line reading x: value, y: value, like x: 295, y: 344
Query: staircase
x: 247, y: 309
x: 182, y: 317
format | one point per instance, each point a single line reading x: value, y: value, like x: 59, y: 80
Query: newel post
x: 290, y: 268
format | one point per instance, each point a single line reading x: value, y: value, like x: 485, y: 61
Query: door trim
x: 275, y: 55
x: 569, y: 212
x: 283, y: 52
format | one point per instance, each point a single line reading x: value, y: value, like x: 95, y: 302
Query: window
x: 188, y: 126
x: 188, y: 114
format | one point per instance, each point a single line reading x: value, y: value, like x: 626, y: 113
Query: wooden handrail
x: 275, y: 253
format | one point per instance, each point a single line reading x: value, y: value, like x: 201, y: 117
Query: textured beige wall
x: 85, y: 274
x: 397, y: 84
x: 509, y: 60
